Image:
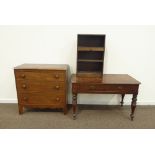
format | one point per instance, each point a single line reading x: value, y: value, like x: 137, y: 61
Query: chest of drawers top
x: 42, y: 67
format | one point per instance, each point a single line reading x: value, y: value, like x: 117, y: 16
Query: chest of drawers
x: 42, y: 86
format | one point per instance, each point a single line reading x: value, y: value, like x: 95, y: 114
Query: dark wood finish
x: 133, y: 105
x: 122, y: 100
x: 90, y: 54
x: 42, y: 86
x: 107, y: 84
x: 74, y: 100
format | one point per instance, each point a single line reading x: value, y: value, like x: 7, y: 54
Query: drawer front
x: 101, y: 88
x: 40, y: 75
x: 25, y: 86
x: 39, y: 99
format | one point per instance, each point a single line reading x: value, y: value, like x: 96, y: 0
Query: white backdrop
x: 129, y: 50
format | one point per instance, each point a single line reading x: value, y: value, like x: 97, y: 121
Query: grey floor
x: 89, y: 117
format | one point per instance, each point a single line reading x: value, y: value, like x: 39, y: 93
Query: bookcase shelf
x: 90, y: 54
x: 88, y: 60
x: 99, y: 49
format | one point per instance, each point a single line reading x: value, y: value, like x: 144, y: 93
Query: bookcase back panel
x: 91, y: 40
x: 90, y: 55
x: 90, y: 67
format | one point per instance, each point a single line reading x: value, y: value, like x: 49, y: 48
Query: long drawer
x: 40, y: 75
x: 39, y: 99
x: 30, y: 86
x: 105, y: 88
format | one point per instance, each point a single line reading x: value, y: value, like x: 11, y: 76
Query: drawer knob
x: 23, y: 76
x: 24, y: 86
x: 56, y: 76
x: 25, y: 98
x: 92, y: 87
x: 58, y: 99
x: 57, y: 87
x: 119, y: 87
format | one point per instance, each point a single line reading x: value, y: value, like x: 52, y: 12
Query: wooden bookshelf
x: 90, y: 54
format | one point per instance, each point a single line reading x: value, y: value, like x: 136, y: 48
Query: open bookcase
x: 90, y: 54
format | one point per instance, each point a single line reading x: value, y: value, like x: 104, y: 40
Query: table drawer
x: 106, y: 88
x: 41, y: 99
x: 25, y: 86
x: 40, y: 75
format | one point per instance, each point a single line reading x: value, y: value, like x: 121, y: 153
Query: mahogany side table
x: 106, y: 84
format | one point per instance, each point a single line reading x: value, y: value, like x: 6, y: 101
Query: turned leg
x: 133, y: 106
x: 74, y: 102
x: 122, y: 101
x: 20, y: 108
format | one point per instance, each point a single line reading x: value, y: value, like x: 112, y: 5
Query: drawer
x: 105, y: 88
x: 25, y: 86
x: 40, y: 75
x: 39, y: 99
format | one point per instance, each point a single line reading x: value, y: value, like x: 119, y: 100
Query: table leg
x: 133, y: 106
x: 122, y: 101
x: 74, y: 102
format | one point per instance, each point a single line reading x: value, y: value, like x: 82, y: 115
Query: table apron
x: 105, y: 89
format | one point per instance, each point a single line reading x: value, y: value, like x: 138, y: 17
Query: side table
x: 106, y: 84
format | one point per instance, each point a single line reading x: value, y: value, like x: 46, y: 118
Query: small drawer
x: 40, y: 75
x: 106, y: 88
x: 39, y: 99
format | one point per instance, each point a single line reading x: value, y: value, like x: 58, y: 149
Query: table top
x: 105, y: 79
x: 43, y: 66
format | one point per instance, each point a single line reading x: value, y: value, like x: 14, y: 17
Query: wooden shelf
x: 89, y: 74
x: 99, y: 49
x: 90, y: 54
x: 88, y: 60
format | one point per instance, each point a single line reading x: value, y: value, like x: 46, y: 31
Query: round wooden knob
x: 92, y: 87
x: 56, y: 76
x: 25, y: 98
x: 23, y: 76
x: 119, y: 87
x: 57, y: 87
x: 24, y: 86
x: 58, y: 99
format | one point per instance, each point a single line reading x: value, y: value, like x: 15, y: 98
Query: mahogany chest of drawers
x: 42, y: 86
